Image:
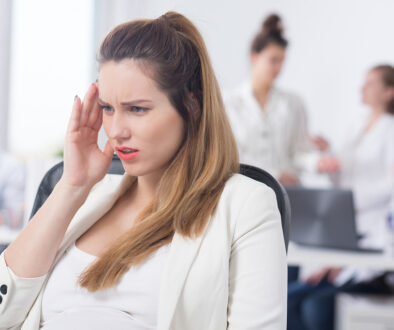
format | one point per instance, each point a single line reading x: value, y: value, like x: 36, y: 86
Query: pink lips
x: 126, y: 153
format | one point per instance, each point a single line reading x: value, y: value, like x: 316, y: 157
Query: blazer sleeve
x: 17, y: 296
x: 258, y: 269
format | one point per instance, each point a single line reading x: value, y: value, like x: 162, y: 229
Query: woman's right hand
x: 320, y: 143
x: 84, y: 163
x: 329, y: 273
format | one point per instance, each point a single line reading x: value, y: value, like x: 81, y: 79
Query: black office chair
x: 53, y: 175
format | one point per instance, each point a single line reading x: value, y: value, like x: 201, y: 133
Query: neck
x: 260, y: 89
x: 261, y: 92
x: 376, y: 113
x: 144, y: 189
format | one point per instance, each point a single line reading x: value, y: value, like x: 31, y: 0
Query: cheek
x: 164, y: 135
x: 263, y: 66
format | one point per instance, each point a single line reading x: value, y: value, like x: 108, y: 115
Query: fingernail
x: 75, y: 97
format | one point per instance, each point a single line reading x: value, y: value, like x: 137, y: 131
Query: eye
x: 138, y: 109
x: 106, y: 108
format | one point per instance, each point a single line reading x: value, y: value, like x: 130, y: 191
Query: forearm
x: 33, y: 251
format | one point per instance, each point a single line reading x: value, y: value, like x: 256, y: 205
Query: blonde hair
x: 192, y: 184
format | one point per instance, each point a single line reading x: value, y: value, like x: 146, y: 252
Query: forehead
x: 124, y: 80
x: 273, y: 50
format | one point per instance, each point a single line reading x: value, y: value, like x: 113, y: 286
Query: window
x: 52, y: 59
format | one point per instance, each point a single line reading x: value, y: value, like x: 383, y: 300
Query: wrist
x: 73, y: 193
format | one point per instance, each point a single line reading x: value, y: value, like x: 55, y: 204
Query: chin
x: 141, y: 169
x: 365, y: 101
x: 134, y: 169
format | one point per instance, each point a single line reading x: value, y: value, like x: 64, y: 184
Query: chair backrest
x: 53, y: 176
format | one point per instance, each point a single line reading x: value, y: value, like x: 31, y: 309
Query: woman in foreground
x: 181, y: 241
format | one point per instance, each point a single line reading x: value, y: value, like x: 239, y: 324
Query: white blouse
x: 367, y: 161
x: 367, y: 168
x: 131, y: 305
x: 274, y: 138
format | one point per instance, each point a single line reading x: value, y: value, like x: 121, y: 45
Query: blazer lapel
x: 183, y: 252
x: 99, y: 201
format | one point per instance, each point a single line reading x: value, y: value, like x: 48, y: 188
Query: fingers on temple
x: 75, y: 118
x: 94, y: 115
x: 99, y: 120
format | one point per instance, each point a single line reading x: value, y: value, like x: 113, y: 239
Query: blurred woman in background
x: 270, y: 124
x: 365, y: 162
x: 365, y: 165
x: 12, y: 191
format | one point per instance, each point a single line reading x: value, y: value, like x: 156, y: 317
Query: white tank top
x: 131, y: 305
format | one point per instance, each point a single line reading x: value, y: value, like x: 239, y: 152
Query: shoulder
x: 389, y: 131
x: 389, y: 121
x: 241, y: 184
x: 111, y: 184
x: 235, y: 98
x: 292, y: 98
x: 248, y: 203
x: 108, y: 189
x: 385, y: 127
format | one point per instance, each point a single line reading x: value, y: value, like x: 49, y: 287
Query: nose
x: 118, y: 128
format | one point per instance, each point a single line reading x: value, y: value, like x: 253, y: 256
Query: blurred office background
x: 48, y: 48
x: 48, y: 56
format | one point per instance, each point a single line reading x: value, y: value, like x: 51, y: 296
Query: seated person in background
x: 365, y: 166
x: 12, y: 191
x: 269, y: 124
x: 172, y: 243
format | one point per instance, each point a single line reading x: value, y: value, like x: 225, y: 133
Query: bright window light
x: 51, y: 61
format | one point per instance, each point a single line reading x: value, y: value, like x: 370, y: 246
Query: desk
x: 299, y: 255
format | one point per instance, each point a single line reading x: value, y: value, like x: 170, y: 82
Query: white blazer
x: 234, y: 276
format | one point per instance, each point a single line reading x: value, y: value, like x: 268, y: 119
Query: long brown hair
x: 387, y: 73
x: 172, y: 51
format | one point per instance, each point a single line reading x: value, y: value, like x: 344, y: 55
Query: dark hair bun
x: 271, y: 33
x: 272, y: 25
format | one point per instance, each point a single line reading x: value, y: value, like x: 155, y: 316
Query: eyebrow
x: 133, y: 102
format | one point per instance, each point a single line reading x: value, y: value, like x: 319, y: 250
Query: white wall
x: 51, y: 54
x: 332, y: 44
x: 5, y: 27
